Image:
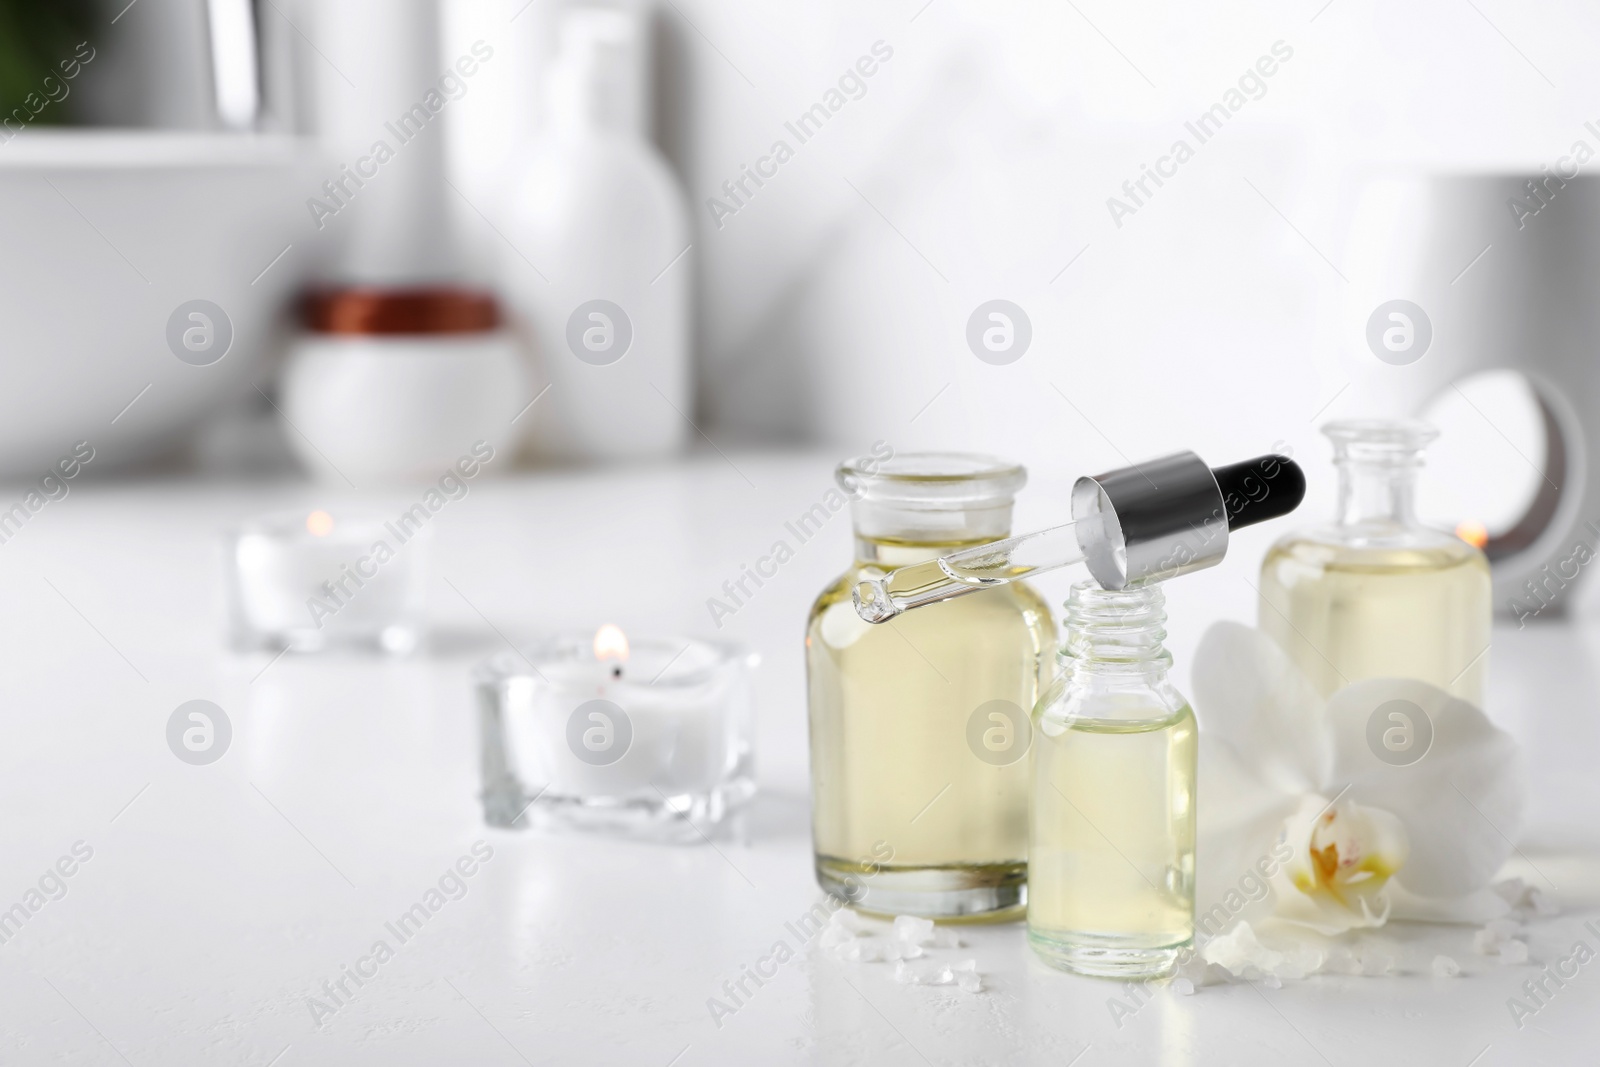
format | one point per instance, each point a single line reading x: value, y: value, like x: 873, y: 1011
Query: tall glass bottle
x: 1111, y: 848
x: 1376, y: 594
x: 919, y: 727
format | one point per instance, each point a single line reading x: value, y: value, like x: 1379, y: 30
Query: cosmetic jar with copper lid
x: 393, y: 385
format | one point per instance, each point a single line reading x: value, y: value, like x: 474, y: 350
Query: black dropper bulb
x: 1267, y: 487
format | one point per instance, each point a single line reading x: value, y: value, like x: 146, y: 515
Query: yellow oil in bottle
x: 1111, y: 868
x: 893, y: 768
x: 1377, y: 594
x: 1112, y: 841
x: 1346, y: 613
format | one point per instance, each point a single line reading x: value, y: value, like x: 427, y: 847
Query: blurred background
x: 850, y: 186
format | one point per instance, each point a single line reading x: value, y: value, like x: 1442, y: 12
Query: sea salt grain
x: 936, y: 972
x: 1485, y: 941
x: 1513, y: 952
x: 1543, y: 903
x: 833, y: 937
x: 913, y: 931
x: 1520, y: 894
x: 1242, y: 954
x: 902, y: 950
x: 1183, y: 986
x: 1376, y: 959
x: 1512, y: 891
x: 1300, y: 961
x: 1342, y: 961
x: 1445, y: 967
x: 845, y: 919
x: 844, y: 926
x: 860, y: 950
x: 928, y: 972
x: 1505, y: 929
x: 1498, y: 937
x: 1194, y: 970
x: 851, y: 939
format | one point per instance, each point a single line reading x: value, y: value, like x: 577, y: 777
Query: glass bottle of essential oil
x: 1111, y: 847
x: 919, y: 726
x: 1377, y: 594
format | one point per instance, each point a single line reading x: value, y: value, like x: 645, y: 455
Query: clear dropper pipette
x: 972, y: 569
x: 1149, y: 522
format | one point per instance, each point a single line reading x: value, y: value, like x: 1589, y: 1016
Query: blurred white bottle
x: 601, y: 269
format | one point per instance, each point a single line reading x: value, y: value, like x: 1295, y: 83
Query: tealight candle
x: 308, y: 582
x: 650, y: 740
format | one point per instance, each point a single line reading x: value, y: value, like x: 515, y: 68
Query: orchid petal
x: 1239, y: 820
x: 1473, y: 909
x: 1328, y: 916
x: 1342, y: 857
x: 1251, y: 695
x: 1460, y: 801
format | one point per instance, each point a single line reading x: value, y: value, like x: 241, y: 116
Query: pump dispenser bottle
x: 597, y: 257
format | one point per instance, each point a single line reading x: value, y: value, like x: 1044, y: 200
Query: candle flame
x: 319, y: 524
x: 610, y: 643
x: 1473, y: 533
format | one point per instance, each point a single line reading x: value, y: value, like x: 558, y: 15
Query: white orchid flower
x: 1389, y: 800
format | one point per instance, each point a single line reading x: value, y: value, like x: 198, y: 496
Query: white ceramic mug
x: 1503, y: 268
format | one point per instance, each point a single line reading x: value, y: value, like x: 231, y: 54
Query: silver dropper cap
x: 1160, y: 519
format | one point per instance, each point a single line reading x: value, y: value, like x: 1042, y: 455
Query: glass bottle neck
x: 890, y: 534
x: 1116, y: 633
x: 1378, y: 491
x: 913, y: 508
x: 890, y: 554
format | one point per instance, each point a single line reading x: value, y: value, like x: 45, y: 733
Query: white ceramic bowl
x: 105, y: 234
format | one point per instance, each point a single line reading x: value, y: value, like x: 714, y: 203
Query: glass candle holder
x: 653, y: 741
x: 310, y: 582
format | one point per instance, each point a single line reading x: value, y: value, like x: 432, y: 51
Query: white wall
x: 977, y: 165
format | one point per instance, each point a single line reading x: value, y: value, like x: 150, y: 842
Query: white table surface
x: 219, y: 898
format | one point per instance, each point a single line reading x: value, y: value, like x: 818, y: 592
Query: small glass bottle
x: 1111, y: 848
x: 919, y: 727
x: 1377, y: 594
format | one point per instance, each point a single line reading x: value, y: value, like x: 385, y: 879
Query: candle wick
x: 616, y: 672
